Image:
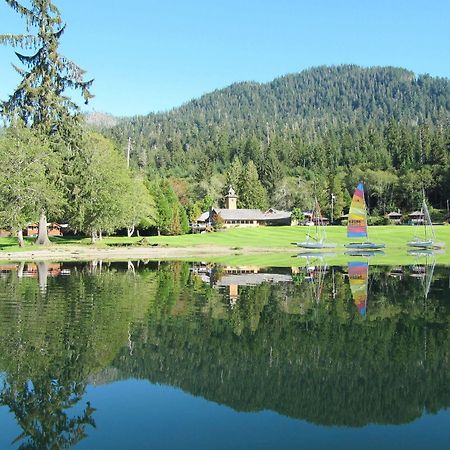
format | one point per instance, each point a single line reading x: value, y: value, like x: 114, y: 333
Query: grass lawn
x: 243, y: 240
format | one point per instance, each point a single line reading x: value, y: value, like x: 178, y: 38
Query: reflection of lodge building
x: 233, y: 277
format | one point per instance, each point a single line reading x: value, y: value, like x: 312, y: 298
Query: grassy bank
x: 262, y: 237
x: 259, y: 246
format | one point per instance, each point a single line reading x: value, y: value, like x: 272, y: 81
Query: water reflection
x: 300, y: 341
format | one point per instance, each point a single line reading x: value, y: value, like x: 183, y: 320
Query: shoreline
x: 84, y: 253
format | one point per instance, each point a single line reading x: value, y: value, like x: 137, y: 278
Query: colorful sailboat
x: 357, y: 222
x: 358, y: 275
x: 427, y: 240
x: 317, y: 240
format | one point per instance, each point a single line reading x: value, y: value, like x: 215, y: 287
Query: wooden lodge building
x: 232, y: 216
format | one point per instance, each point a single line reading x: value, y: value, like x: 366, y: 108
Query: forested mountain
x: 320, y: 130
x: 323, y: 95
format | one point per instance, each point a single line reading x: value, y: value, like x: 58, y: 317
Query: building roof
x: 251, y: 214
x: 204, y: 217
x: 394, y: 214
x: 417, y: 213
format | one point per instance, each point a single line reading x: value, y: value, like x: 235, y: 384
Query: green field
x: 244, y: 241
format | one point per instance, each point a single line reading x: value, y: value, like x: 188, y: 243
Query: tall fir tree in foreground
x: 39, y: 100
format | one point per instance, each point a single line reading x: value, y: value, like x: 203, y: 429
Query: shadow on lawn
x: 7, y: 245
x: 67, y: 240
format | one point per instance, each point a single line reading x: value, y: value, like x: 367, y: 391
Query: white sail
x: 427, y: 222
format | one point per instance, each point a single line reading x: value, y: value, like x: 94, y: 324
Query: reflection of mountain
x: 331, y: 374
x: 326, y: 366
x: 321, y: 362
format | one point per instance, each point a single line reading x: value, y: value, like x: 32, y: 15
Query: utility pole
x: 128, y: 151
x: 333, y: 198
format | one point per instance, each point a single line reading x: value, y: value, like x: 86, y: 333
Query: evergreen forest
x: 308, y: 134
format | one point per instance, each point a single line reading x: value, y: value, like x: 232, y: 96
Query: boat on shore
x: 318, y: 239
x: 428, y: 239
x: 357, y: 223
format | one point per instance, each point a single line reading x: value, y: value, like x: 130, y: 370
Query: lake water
x: 176, y: 355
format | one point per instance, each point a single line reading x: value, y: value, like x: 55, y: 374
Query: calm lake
x: 175, y: 355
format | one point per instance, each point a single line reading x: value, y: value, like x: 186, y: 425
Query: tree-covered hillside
x: 318, y: 130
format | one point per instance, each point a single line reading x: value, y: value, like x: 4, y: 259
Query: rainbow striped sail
x: 357, y: 216
x: 358, y: 274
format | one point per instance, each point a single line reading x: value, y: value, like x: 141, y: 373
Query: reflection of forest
x: 280, y: 347
x: 55, y: 332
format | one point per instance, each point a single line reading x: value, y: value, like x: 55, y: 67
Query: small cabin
x: 31, y: 230
x: 394, y: 218
x: 416, y: 218
x: 312, y: 219
x: 54, y: 229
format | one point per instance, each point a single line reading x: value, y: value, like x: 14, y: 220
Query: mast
x: 427, y: 220
x: 320, y: 230
x: 365, y: 208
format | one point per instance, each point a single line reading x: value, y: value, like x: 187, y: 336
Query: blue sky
x: 148, y: 55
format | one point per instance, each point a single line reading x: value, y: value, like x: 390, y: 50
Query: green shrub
x: 377, y: 220
x: 438, y: 215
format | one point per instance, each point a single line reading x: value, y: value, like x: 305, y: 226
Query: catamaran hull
x: 364, y: 246
x: 315, y: 245
x: 421, y: 244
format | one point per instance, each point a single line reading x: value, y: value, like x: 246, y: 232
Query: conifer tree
x: 252, y: 192
x: 234, y: 176
x: 39, y: 100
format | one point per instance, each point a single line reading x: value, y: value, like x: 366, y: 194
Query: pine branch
x: 54, y: 9
x: 29, y: 60
x: 26, y: 41
x: 60, y: 32
x: 22, y: 10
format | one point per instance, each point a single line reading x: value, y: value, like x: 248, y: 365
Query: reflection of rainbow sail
x: 358, y: 274
x: 357, y: 216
